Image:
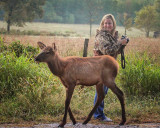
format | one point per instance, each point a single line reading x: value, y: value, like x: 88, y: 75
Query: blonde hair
x: 108, y: 16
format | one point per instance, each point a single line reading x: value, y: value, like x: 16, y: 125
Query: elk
x: 87, y: 71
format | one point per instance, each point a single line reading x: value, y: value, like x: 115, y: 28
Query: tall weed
x: 141, y: 76
x: 29, y: 91
x: 20, y: 49
x: 26, y: 89
x: 3, y: 47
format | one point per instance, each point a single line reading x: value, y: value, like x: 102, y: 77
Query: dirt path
x: 99, y: 126
x: 79, y: 125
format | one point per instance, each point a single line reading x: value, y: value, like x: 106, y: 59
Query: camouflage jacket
x: 106, y: 44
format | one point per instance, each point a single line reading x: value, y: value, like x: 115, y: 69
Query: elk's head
x: 47, y: 52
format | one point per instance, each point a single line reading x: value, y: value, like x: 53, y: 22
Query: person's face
x: 108, y: 25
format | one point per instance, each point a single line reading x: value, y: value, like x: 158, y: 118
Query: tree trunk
x: 125, y: 32
x: 147, y: 34
x: 9, y: 19
x: 8, y: 26
x: 90, y: 26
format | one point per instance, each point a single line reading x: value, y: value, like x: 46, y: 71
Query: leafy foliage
x: 29, y: 91
x: 157, y: 8
x: 18, y: 12
x: 25, y: 88
x: 146, y: 19
x: 80, y: 11
x: 2, y: 46
x: 17, y: 48
x: 125, y: 20
x: 20, y: 49
x: 71, y: 11
x: 141, y: 76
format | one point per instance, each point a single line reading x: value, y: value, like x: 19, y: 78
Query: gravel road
x: 79, y: 125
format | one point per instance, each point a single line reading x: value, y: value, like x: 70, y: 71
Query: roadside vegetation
x: 134, y: 13
x: 29, y: 91
x: 63, y: 30
x: 37, y: 33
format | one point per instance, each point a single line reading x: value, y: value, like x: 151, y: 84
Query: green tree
x: 127, y: 7
x: 146, y: 19
x: 50, y: 14
x: 92, y: 7
x: 157, y: 8
x: 130, y: 7
x: 20, y: 11
x: 126, y: 21
x: 81, y: 11
x: 109, y: 6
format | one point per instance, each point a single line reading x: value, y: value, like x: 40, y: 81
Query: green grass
x: 29, y: 91
x: 141, y: 76
x: 38, y: 28
x: 36, y: 33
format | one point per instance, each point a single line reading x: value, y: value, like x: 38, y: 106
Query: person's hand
x: 95, y: 53
x: 124, y: 41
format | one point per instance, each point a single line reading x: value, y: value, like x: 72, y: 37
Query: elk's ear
x: 54, y: 47
x: 41, y: 45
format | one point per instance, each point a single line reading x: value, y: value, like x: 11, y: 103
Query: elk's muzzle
x: 36, y: 59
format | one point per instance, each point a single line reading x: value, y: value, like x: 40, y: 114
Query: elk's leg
x: 69, y: 92
x: 71, y: 116
x: 100, y: 92
x: 120, y: 96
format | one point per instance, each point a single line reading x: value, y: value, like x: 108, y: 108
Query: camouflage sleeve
x: 107, y: 45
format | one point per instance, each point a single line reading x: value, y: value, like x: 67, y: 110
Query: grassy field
x: 68, y: 46
x: 38, y: 96
x: 80, y: 30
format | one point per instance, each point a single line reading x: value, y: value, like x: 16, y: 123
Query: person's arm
x: 110, y: 47
x: 96, y: 50
x: 124, y: 42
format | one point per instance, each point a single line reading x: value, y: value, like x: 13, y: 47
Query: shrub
x: 30, y: 92
x: 17, y: 48
x: 26, y: 89
x: 141, y: 76
x: 31, y: 51
x: 20, y: 49
x: 12, y: 72
x: 2, y: 46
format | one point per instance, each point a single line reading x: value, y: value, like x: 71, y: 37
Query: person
x: 106, y: 43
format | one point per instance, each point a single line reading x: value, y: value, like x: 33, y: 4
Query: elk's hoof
x: 85, y: 122
x: 61, y: 125
x: 74, y: 122
x: 122, y: 123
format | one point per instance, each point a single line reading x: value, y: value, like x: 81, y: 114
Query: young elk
x: 87, y: 71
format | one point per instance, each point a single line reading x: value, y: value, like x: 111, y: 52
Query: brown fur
x: 87, y: 71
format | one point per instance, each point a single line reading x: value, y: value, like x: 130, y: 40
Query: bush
x: 18, y: 32
x: 12, y: 72
x: 2, y: 46
x: 30, y: 51
x: 29, y: 91
x: 17, y: 48
x: 36, y: 33
x: 141, y: 76
x: 20, y: 49
x: 26, y: 89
